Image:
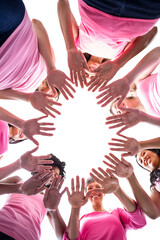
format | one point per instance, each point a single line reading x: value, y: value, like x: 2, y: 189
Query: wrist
x: 18, y: 164
x: 52, y: 69
x: 131, y: 177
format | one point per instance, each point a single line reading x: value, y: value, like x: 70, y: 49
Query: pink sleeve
x: 132, y: 220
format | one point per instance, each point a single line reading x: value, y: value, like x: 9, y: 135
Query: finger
x: 45, y: 175
x: 118, y: 140
x: 38, y: 119
x: 72, y: 185
x: 127, y: 154
x: 40, y: 189
x: 117, y: 149
x: 64, y: 94
x: 83, y: 76
x: 46, y: 129
x: 48, y: 113
x: 107, y: 102
x: 114, y: 157
x: 122, y: 136
x: 46, y: 195
x: 98, y: 85
x: 44, y: 157
x: 53, y: 109
x: 93, y: 83
x: 116, y: 144
x: 43, y: 168
x: 45, y: 161
x: 106, y: 92
x: 96, y: 179
x: 75, y: 79
x: 45, y: 134
x: 33, y: 150
x: 68, y: 193
x: 34, y: 140
x: 69, y: 86
x: 72, y: 75
x: 97, y: 173
x: 46, y: 124
x: 60, y: 184
x: 116, y: 126
x: 80, y: 79
x: 114, y: 121
x: 103, y: 172
x: 82, y: 185
x: 110, y: 172
x: 54, y: 102
x: 122, y: 129
x: 109, y: 165
x: 124, y: 161
x: 68, y: 92
x: 77, y: 184
x: 64, y: 190
x: 111, y: 160
x: 114, y: 117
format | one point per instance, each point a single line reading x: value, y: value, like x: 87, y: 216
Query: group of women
x: 109, y: 35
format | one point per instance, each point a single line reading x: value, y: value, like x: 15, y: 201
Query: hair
x: 156, y: 150
x: 88, y: 56
x: 154, y: 177
x: 56, y: 163
x: 12, y: 140
x: 88, y: 181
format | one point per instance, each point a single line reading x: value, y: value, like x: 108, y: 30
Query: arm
x: 146, y: 203
x: 124, y: 169
x: 51, y: 201
x: 7, y: 170
x: 136, y: 47
x: 73, y: 225
x: 10, y: 185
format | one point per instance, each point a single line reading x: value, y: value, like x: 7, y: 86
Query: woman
x: 149, y: 160
x: 116, y: 31
x: 101, y: 224
x: 27, y: 59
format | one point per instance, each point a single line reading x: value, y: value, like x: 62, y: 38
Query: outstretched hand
x: 130, y: 145
x: 59, y: 79
x: 106, y: 179
x: 104, y: 73
x: 121, y: 168
x: 33, y: 127
x: 43, y: 103
x: 36, y: 183
x: 77, y: 65
x: 119, y: 88
x: 52, y: 194
x: 77, y: 197
x: 125, y: 120
x: 35, y: 163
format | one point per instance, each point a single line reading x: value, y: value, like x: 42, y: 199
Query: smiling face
x: 56, y: 173
x: 148, y: 160
x: 95, y: 198
x: 16, y: 133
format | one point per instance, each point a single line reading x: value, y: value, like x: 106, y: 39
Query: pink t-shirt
x: 21, y: 216
x: 109, y: 226
x: 22, y: 67
x: 104, y: 35
x: 148, y: 91
x: 4, y: 137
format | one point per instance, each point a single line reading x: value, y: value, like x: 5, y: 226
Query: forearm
x: 6, y: 188
x: 57, y: 223
x: 65, y: 18
x: 73, y: 225
x: 149, y: 119
x: 152, y: 143
x: 7, y: 170
x: 127, y: 202
x: 10, y: 118
x: 143, y: 200
x: 14, y: 95
x: 136, y: 47
x: 145, y: 67
x: 44, y: 46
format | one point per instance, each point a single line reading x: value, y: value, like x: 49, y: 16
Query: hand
x: 131, y: 146
x: 52, y: 195
x: 120, y: 168
x: 104, y: 73
x: 42, y: 102
x: 77, y: 65
x: 58, y: 79
x: 77, y: 198
x: 36, y: 183
x: 107, y: 180
x: 125, y: 120
x: 119, y: 88
x: 33, y: 127
x: 33, y: 163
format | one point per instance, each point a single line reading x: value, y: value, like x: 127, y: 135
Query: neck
x: 98, y: 208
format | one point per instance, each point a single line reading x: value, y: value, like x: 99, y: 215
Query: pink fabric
x: 104, y: 35
x: 22, y: 67
x: 4, y: 136
x: 148, y: 90
x: 109, y: 226
x: 21, y: 216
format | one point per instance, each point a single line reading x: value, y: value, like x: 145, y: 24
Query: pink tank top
x: 104, y: 35
x: 4, y: 137
x: 22, y: 67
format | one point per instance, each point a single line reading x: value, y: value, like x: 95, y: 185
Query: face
x: 148, y: 159
x: 95, y: 198
x: 44, y: 87
x: 56, y: 173
x: 133, y: 102
x: 16, y: 133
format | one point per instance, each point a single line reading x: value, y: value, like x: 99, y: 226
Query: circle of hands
x: 108, y: 92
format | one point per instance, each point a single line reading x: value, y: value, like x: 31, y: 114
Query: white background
x: 81, y: 135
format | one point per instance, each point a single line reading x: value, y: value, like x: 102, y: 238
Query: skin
x: 56, y: 173
x: 148, y: 159
x: 16, y: 133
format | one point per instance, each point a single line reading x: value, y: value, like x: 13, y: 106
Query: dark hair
x: 88, y: 56
x: 156, y: 150
x: 154, y: 177
x: 56, y: 163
